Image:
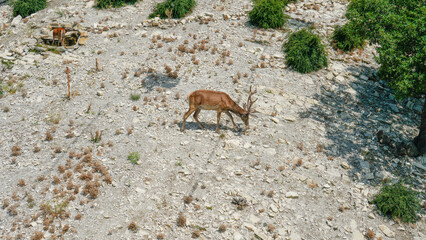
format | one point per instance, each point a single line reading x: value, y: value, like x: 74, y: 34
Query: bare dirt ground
x: 306, y: 169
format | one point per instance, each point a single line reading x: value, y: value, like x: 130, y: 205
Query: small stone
x: 275, y: 120
x: 274, y: 208
x: 292, y: 195
x: 238, y: 236
x: 100, y: 93
x: 387, y: 231
x: 253, y: 219
x: 345, y: 165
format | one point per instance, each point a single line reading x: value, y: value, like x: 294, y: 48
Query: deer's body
x: 59, y: 33
x: 213, y: 100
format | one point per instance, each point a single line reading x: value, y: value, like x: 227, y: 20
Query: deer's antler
x: 250, y: 102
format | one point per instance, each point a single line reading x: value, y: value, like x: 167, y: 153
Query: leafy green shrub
x: 398, y: 27
x: 173, y: 8
x: 268, y: 14
x: 282, y: 2
x: 113, y: 3
x: 305, y: 52
x: 348, y: 37
x: 398, y: 201
x: 134, y: 157
x: 27, y: 7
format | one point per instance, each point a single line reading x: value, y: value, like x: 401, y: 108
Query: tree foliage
x: 305, y: 52
x: 399, y: 27
x: 398, y: 201
x: 113, y: 3
x: 174, y: 8
x: 27, y: 7
x: 268, y: 14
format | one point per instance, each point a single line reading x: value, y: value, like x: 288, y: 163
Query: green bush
x: 27, y: 7
x: 268, y: 14
x: 398, y: 201
x: 113, y: 3
x: 134, y: 157
x: 347, y: 37
x: 175, y: 8
x: 283, y: 3
x: 305, y: 52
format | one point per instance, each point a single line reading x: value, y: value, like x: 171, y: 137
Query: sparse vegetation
x: 305, y: 52
x: 113, y: 3
x: 268, y: 14
x: 398, y: 201
x: 173, y: 9
x: 134, y: 157
x: 97, y: 137
x: 27, y: 7
x: 135, y: 96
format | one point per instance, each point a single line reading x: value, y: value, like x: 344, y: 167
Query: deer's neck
x: 238, y: 110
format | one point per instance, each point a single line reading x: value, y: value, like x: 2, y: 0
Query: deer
x: 59, y: 33
x: 219, y: 101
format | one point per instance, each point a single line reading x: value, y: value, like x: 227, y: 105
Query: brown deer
x: 219, y: 101
x: 59, y: 33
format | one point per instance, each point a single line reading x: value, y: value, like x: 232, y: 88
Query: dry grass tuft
x: 21, y: 183
x: 196, y: 234
x: 188, y: 199
x: 16, y: 150
x: 370, y: 234
x: 181, y: 221
x: 133, y: 227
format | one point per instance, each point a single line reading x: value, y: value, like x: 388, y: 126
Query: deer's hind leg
x: 196, y: 118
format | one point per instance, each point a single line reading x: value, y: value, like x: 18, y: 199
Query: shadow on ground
x: 159, y: 80
x: 353, y: 112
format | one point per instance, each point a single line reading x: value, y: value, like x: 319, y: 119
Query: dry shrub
x: 56, y: 180
x: 188, y: 199
x: 61, y: 168
x: 86, y: 176
x: 5, y: 203
x: 92, y: 188
x: 196, y: 234
x: 222, y: 228
x: 21, y: 182
x: 78, y: 168
x: 37, y: 235
x: 108, y: 179
x: 370, y: 234
x: 49, y: 136
x: 78, y: 216
x: 299, y: 162
x: 133, y: 227
x: 16, y: 150
x: 87, y: 158
x: 181, y: 221
x: 271, y: 228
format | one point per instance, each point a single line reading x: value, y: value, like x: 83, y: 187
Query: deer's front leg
x: 218, y: 120
x: 185, y: 116
x: 232, y: 119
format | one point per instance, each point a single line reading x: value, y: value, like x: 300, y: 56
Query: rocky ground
x: 306, y: 169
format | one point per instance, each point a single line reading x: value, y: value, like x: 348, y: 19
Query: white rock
x: 292, y: 195
x: 275, y: 120
x: 253, y: 219
x: 238, y: 236
x: 387, y: 231
x: 16, y: 21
